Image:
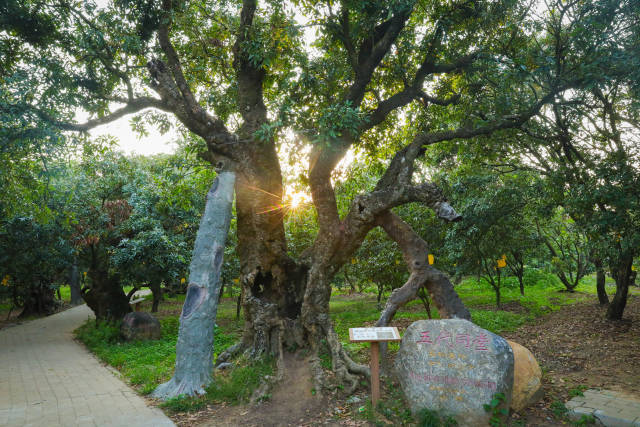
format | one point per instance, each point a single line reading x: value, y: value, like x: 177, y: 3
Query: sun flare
x: 298, y: 199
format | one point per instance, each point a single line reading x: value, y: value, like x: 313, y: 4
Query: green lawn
x: 147, y: 364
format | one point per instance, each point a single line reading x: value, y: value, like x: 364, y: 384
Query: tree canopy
x: 413, y: 86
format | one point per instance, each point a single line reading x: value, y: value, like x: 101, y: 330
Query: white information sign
x: 374, y: 334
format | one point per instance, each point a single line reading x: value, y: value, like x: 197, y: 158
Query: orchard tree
x: 100, y: 209
x: 150, y: 258
x: 567, y: 247
x: 494, y: 227
x: 157, y: 237
x: 33, y: 260
x: 585, y: 141
x: 386, y: 79
x: 588, y: 158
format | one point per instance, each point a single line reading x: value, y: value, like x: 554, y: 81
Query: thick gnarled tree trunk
x: 194, y: 350
x: 39, y: 300
x: 285, y: 301
x: 105, y: 296
x: 272, y: 282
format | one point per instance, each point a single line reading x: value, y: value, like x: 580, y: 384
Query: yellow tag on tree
x: 430, y: 257
x: 353, y: 261
x: 502, y: 263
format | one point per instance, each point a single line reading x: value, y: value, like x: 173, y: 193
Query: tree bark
x: 601, y: 279
x: 105, y: 296
x: 517, y: 268
x: 273, y: 284
x: 415, y: 252
x: 239, y: 304
x: 619, y: 302
x: 40, y: 300
x: 74, y: 283
x: 521, y: 281
x: 497, y: 289
x: 194, y: 350
x: 156, y: 290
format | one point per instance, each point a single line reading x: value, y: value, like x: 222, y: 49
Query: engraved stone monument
x: 454, y: 367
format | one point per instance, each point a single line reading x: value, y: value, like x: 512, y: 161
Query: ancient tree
x: 386, y: 79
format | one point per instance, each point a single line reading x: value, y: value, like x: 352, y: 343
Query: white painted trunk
x: 194, y: 350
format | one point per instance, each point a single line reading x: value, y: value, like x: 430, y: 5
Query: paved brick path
x: 47, y: 379
x: 609, y: 408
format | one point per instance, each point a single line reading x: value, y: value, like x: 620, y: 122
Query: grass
x: 233, y: 387
x: 148, y: 363
x: 543, y: 294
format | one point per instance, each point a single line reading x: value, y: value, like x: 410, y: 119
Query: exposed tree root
x: 230, y: 352
x: 346, y: 371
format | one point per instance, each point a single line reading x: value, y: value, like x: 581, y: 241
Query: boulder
x: 140, y: 325
x: 527, y: 378
x: 454, y: 367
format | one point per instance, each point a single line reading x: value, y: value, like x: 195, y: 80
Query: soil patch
x: 577, y: 346
x: 292, y: 403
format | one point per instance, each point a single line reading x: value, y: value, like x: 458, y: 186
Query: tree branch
x: 173, y: 60
x: 373, y: 50
x: 133, y: 106
x: 345, y: 36
x: 250, y: 75
x: 415, y: 253
x: 219, y: 140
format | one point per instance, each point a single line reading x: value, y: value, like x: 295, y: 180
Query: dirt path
x: 292, y: 403
x: 577, y: 346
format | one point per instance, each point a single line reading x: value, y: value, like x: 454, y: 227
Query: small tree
x: 33, y: 260
x: 494, y: 227
x: 100, y: 207
x: 150, y: 259
x: 567, y: 247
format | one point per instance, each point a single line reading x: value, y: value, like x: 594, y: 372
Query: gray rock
x: 140, y: 325
x: 454, y: 367
x: 224, y: 365
x: 354, y: 399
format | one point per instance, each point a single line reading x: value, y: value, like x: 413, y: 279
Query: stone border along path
x: 610, y: 408
x: 48, y: 379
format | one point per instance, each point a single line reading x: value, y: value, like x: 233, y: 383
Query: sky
x: 128, y: 140
x: 131, y: 143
